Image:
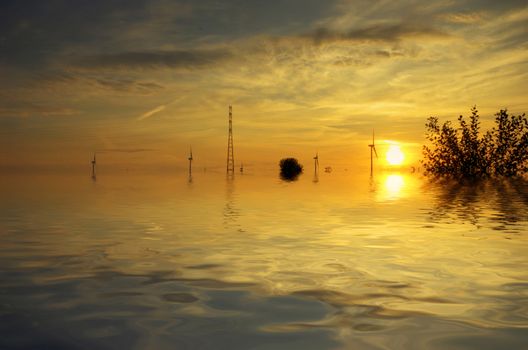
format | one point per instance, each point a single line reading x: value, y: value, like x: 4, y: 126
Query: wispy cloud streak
x: 377, y: 32
x: 158, y: 109
x: 151, y: 112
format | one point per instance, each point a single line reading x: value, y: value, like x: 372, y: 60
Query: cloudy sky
x: 139, y: 81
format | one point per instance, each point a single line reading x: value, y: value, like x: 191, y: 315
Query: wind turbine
x: 316, y: 168
x: 372, y: 148
x: 93, y: 167
x: 190, y: 160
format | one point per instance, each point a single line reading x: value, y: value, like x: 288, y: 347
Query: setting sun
x: 342, y: 174
x: 395, y: 155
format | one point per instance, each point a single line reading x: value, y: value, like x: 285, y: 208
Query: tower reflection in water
x: 231, y: 212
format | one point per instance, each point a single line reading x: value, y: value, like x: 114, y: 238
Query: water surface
x: 337, y: 261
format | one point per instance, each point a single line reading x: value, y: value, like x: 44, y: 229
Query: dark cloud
x: 34, y: 32
x: 498, y: 7
x: 156, y: 59
x: 366, y: 57
x: 376, y: 32
x: 128, y: 85
x: 389, y: 53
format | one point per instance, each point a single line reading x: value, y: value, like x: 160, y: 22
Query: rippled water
x: 252, y: 262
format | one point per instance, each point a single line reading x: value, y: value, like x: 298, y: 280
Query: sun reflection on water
x: 393, y: 185
x: 357, y: 258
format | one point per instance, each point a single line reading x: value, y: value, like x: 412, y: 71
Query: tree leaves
x: 465, y: 152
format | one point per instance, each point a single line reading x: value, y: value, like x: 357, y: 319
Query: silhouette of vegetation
x: 290, y: 169
x: 501, y: 202
x: 466, y: 153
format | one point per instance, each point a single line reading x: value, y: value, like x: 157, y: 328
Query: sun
x: 395, y: 155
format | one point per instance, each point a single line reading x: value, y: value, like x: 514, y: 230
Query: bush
x: 466, y: 153
x: 290, y: 168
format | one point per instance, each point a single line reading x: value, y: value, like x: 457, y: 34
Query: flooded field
x: 336, y: 261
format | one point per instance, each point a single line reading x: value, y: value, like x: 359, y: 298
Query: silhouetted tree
x: 290, y: 168
x: 466, y: 153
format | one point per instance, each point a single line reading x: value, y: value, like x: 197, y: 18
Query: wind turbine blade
x: 376, y: 153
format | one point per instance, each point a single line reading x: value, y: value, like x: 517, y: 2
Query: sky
x: 139, y: 82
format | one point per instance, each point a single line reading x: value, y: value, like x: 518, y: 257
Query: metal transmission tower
x: 230, y: 157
